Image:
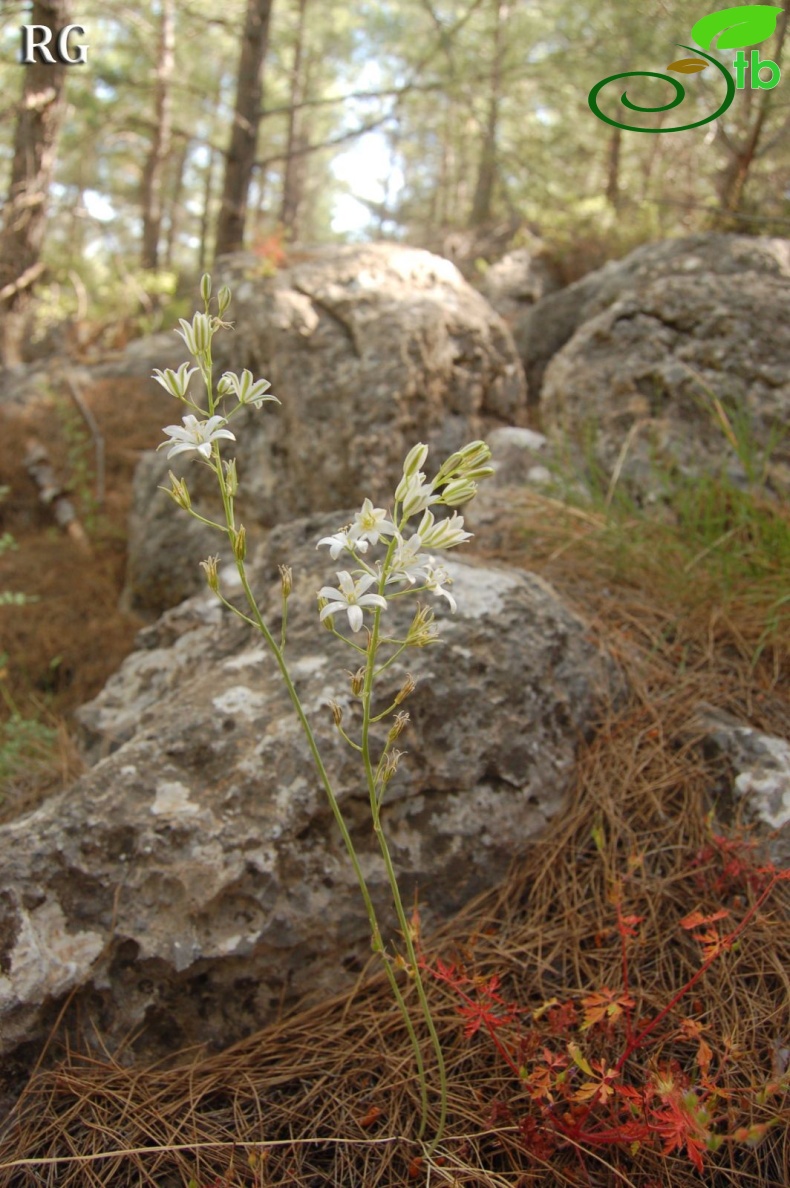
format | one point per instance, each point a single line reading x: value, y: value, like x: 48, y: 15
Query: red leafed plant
x: 596, y: 1075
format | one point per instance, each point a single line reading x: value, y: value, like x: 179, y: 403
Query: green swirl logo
x: 747, y: 24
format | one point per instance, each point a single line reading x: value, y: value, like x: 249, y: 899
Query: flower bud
x: 196, y: 335
x: 231, y: 477
x: 225, y: 384
x: 239, y: 543
x: 286, y: 578
x: 212, y: 577
x: 414, y: 494
x: 457, y: 492
x: 414, y: 459
x: 205, y: 288
x: 463, y: 462
x: 223, y: 299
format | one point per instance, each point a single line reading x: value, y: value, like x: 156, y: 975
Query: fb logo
x: 748, y: 24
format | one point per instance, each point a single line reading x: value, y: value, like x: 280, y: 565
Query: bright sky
x: 367, y: 169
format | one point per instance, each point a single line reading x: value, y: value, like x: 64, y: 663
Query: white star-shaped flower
x: 370, y: 523
x: 436, y: 579
x: 194, y: 435
x: 408, y: 563
x: 350, y: 597
x: 341, y: 541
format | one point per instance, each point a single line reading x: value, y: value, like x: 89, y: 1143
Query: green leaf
x: 748, y: 24
x: 688, y: 65
x: 575, y: 1053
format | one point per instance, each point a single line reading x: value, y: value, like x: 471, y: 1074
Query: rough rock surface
x: 644, y: 375
x: 542, y: 330
x: 370, y: 349
x: 519, y: 280
x: 194, y: 877
x: 760, y: 772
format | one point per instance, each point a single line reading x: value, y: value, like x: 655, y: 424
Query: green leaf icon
x: 748, y: 24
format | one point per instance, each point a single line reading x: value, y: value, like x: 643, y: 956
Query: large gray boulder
x: 522, y: 277
x: 644, y: 376
x: 370, y: 348
x: 545, y: 327
x: 194, y: 878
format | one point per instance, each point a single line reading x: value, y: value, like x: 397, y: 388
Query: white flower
x: 350, y: 597
x: 414, y: 494
x: 407, y: 562
x: 443, y: 535
x: 196, y: 335
x: 175, y: 382
x: 370, y: 523
x: 245, y: 390
x: 437, y: 578
x: 341, y: 541
x: 194, y: 435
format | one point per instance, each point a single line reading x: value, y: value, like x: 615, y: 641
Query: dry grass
x: 328, y: 1096
x: 62, y: 648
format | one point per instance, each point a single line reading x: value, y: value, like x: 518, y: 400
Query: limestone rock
x: 194, y: 878
x: 519, y: 280
x: 760, y: 772
x: 642, y: 377
x: 370, y: 349
x: 543, y: 329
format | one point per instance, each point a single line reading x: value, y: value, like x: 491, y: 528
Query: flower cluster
x: 198, y: 433
x: 408, y: 566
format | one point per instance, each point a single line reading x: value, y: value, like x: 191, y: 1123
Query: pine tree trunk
x: 152, y: 186
x: 733, y: 178
x: 240, y: 159
x: 482, y: 203
x: 176, y: 205
x: 293, y: 176
x: 38, y: 124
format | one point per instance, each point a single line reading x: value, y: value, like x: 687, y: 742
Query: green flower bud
x: 231, y: 477
x: 415, y: 459
x: 223, y: 299
x: 239, y: 543
x: 457, y: 492
x: 205, y: 288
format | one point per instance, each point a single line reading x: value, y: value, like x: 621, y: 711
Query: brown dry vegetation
x: 62, y: 648
x: 296, y: 1104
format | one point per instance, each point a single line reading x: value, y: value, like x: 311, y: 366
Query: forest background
x: 192, y: 130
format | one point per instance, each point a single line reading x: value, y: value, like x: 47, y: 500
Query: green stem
x: 375, y: 807
x: 376, y: 941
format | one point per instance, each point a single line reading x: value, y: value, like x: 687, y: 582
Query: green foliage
x: 7, y: 544
x: 25, y: 743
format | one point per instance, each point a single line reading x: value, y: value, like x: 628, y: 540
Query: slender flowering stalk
x: 408, y: 567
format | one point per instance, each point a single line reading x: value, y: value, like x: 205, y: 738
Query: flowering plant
x: 365, y: 588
